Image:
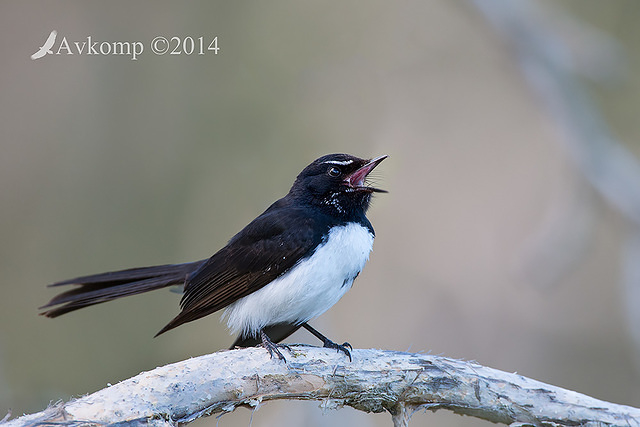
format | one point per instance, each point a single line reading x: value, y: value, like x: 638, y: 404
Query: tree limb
x: 375, y: 381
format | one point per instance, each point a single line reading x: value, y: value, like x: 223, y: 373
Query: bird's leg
x: 271, y: 347
x: 328, y: 343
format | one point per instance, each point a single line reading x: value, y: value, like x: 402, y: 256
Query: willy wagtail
x: 288, y: 266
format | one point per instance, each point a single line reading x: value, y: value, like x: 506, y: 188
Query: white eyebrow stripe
x: 338, y: 162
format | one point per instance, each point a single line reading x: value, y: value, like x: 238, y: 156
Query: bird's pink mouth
x: 357, y: 180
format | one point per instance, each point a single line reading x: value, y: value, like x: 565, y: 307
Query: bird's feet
x: 273, y: 348
x: 339, y: 347
x: 327, y: 343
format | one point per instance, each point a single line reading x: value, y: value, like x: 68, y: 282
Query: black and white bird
x: 288, y: 266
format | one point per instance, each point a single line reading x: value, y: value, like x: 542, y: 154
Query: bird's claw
x: 273, y: 348
x: 339, y: 347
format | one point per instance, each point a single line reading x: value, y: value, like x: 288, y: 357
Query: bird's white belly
x: 310, y: 288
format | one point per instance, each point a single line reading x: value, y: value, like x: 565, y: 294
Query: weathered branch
x: 375, y: 381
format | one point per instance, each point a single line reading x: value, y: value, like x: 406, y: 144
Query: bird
x: 46, y: 47
x: 286, y: 267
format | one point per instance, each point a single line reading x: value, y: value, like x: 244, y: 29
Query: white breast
x: 310, y: 288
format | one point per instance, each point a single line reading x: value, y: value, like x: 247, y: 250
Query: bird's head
x: 338, y: 183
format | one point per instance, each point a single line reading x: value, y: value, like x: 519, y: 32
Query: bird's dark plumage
x: 316, y: 236
x: 99, y: 288
x: 269, y: 246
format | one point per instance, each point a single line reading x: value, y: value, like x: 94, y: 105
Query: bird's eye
x: 333, y: 171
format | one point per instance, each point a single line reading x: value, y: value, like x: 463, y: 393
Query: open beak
x: 357, y: 180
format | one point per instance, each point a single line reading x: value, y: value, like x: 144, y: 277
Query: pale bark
x: 375, y: 381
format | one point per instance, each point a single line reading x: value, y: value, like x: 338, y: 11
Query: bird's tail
x: 99, y: 288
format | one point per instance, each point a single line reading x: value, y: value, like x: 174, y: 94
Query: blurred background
x: 509, y: 235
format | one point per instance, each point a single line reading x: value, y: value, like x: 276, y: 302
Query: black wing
x: 266, y: 248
